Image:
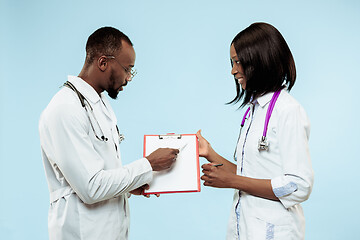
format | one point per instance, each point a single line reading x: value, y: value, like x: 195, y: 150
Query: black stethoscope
x: 263, y: 144
x: 88, y: 106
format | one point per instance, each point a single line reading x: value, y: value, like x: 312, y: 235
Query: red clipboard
x: 184, y: 175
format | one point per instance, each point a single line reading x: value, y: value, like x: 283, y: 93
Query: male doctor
x: 89, y: 187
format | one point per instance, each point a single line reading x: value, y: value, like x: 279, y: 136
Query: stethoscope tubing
x: 270, y: 110
x: 82, y: 101
x: 268, y: 113
x: 267, y: 118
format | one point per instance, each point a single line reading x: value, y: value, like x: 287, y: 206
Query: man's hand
x: 140, y: 191
x: 162, y: 158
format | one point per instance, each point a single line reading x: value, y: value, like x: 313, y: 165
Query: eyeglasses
x: 131, y: 72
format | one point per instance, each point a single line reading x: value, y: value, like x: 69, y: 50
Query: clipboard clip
x: 170, y: 136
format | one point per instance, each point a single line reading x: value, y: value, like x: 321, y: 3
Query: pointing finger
x: 206, y: 167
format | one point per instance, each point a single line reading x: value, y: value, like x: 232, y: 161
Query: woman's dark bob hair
x: 266, y: 59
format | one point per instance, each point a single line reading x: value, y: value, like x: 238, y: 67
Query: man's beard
x: 112, y: 92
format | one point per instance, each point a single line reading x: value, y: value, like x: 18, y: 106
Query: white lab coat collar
x: 265, y: 99
x: 85, y: 89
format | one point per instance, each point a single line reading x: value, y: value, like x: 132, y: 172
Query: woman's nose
x: 233, y: 70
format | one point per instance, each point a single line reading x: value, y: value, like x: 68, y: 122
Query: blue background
x: 182, y: 85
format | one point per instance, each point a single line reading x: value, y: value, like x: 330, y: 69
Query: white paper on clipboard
x: 184, y: 175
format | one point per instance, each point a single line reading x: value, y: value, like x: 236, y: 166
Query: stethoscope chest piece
x: 263, y: 144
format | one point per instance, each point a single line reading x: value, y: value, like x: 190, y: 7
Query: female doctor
x: 273, y: 174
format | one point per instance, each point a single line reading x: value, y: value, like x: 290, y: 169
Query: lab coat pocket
x: 271, y: 228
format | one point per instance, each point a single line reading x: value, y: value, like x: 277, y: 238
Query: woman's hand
x: 218, y: 177
x: 204, y: 145
x: 221, y: 177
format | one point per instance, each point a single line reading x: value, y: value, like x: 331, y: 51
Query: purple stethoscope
x: 263, y: 143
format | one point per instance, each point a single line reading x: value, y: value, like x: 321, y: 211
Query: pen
x: 218, y: 165
x: 182, y: 148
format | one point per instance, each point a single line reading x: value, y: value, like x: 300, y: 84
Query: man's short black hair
x: 104, y: 41
x: 266, y: 59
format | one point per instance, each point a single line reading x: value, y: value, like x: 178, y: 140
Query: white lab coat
x: 88, y: 184
x: 287, y: 164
